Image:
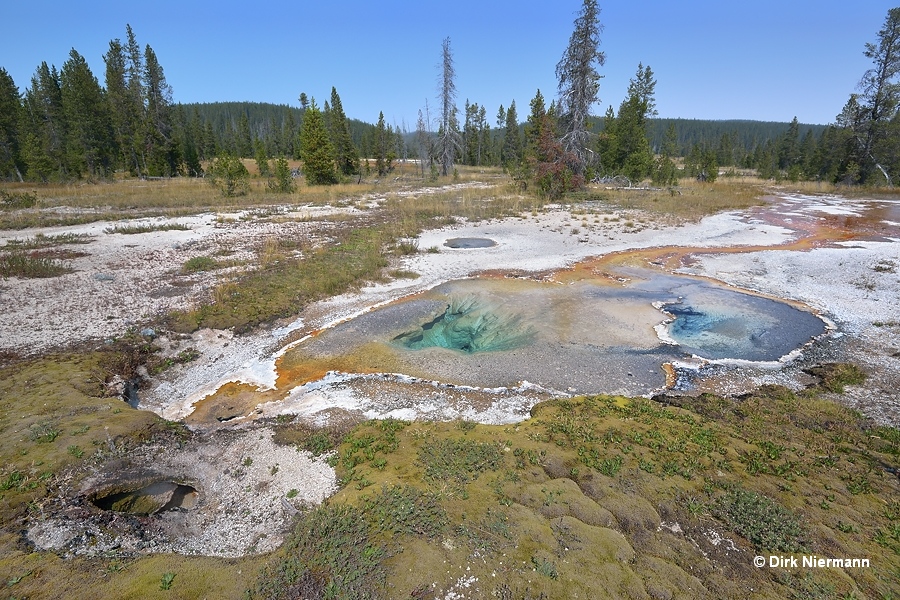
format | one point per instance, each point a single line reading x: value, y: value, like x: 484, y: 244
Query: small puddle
x: 470, y: 242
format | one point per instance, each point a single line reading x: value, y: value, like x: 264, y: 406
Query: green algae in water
x: 469, y: 326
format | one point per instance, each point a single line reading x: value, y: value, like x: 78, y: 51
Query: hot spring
x: 589, y: 336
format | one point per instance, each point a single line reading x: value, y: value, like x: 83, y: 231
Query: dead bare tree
x: 449, y: 141
x: 880, y: 96
x: 579, y: 83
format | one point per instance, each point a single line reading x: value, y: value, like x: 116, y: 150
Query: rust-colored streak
x: 231, y: 401
x: 297, y: 367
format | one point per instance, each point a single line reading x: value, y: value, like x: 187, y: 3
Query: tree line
x: 66, y: 125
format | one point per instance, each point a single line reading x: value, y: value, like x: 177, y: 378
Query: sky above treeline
x: 763, y: 60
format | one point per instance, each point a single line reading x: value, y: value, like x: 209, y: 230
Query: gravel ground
x: 248, y: 490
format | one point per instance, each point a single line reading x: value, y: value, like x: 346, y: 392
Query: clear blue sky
x: 713, y: 59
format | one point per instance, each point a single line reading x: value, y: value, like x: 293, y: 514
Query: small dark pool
x: 150, y: 499
x: 470, y: 242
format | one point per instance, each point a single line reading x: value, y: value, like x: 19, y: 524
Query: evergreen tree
x: 161, y: 149
x: 534, y: 123
x: 89, y: 136
x: 262, y: 159
x: 316, y: 150
x: 135, y: 73
x: 423, y: 143
x: 384, y: 147
x: 470, y: 135
x: 244, y: 138
x: 625, y: 147
x: 877, y: 105
x: 190, y: 136
x: 666, y: 173
x: 229, y: 175
x: 10, y: 117
x: 43, y: 126
x: 552, y: 166
x: 289, y: 135
x: 789, y: 147
x: 579, y: 82
x: 281, y: 182
x: 608, y: 144
x: 512, y: 142
x: 346, y: 153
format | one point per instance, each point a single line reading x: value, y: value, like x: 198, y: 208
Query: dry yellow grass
x: 689, y: 200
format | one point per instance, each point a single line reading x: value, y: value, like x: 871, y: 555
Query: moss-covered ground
x: 608, y: 497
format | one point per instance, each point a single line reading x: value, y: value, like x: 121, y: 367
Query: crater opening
x: 156, y: 497
x: 470, y: 242
x: 718, y: 325
x: 469, y: 326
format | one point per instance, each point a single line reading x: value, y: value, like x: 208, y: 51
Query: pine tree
x: 579, y: 82
x: 625, y: 148
x: 161, y: 149
x: 511, y: 153
x: 484, y: 138
x: 262, y: 159
x: 346, y: 153
x: 608, y: 144
x: 470, y: 133
x: 289, y: 135
x: 43, y: 126
x: 551, y: 165
x: 134, y: 68
x: 316, y: 150
x: 10, y: 116
x: 877, y: 105
x: 384, y: 148
x: 534, y: 123
x: 124, y: 96
x: 190, y: 137
x: 423, y: 143
x: 229, y: 175
x: 89, y: 136
x: 666, y: 173
x: 281, y: 182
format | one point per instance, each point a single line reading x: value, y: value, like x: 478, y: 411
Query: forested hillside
x: 67, y: 126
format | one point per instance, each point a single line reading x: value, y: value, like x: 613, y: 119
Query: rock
x: 148, y: 332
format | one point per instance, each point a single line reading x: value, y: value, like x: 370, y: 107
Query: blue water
x: 587, y: 336
x: 468, y: 326
x: 718, y: 323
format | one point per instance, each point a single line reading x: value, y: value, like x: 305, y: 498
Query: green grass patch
x: 48, y: 241
x: 286, y: 285
x: 16, y: 200
x: 25, y: 265
x: 834, y: 377
x: 338, y: 550
x: 146, y: 228
x: 200, y: 263
x: 767, y: 525
x: 459, y: 460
